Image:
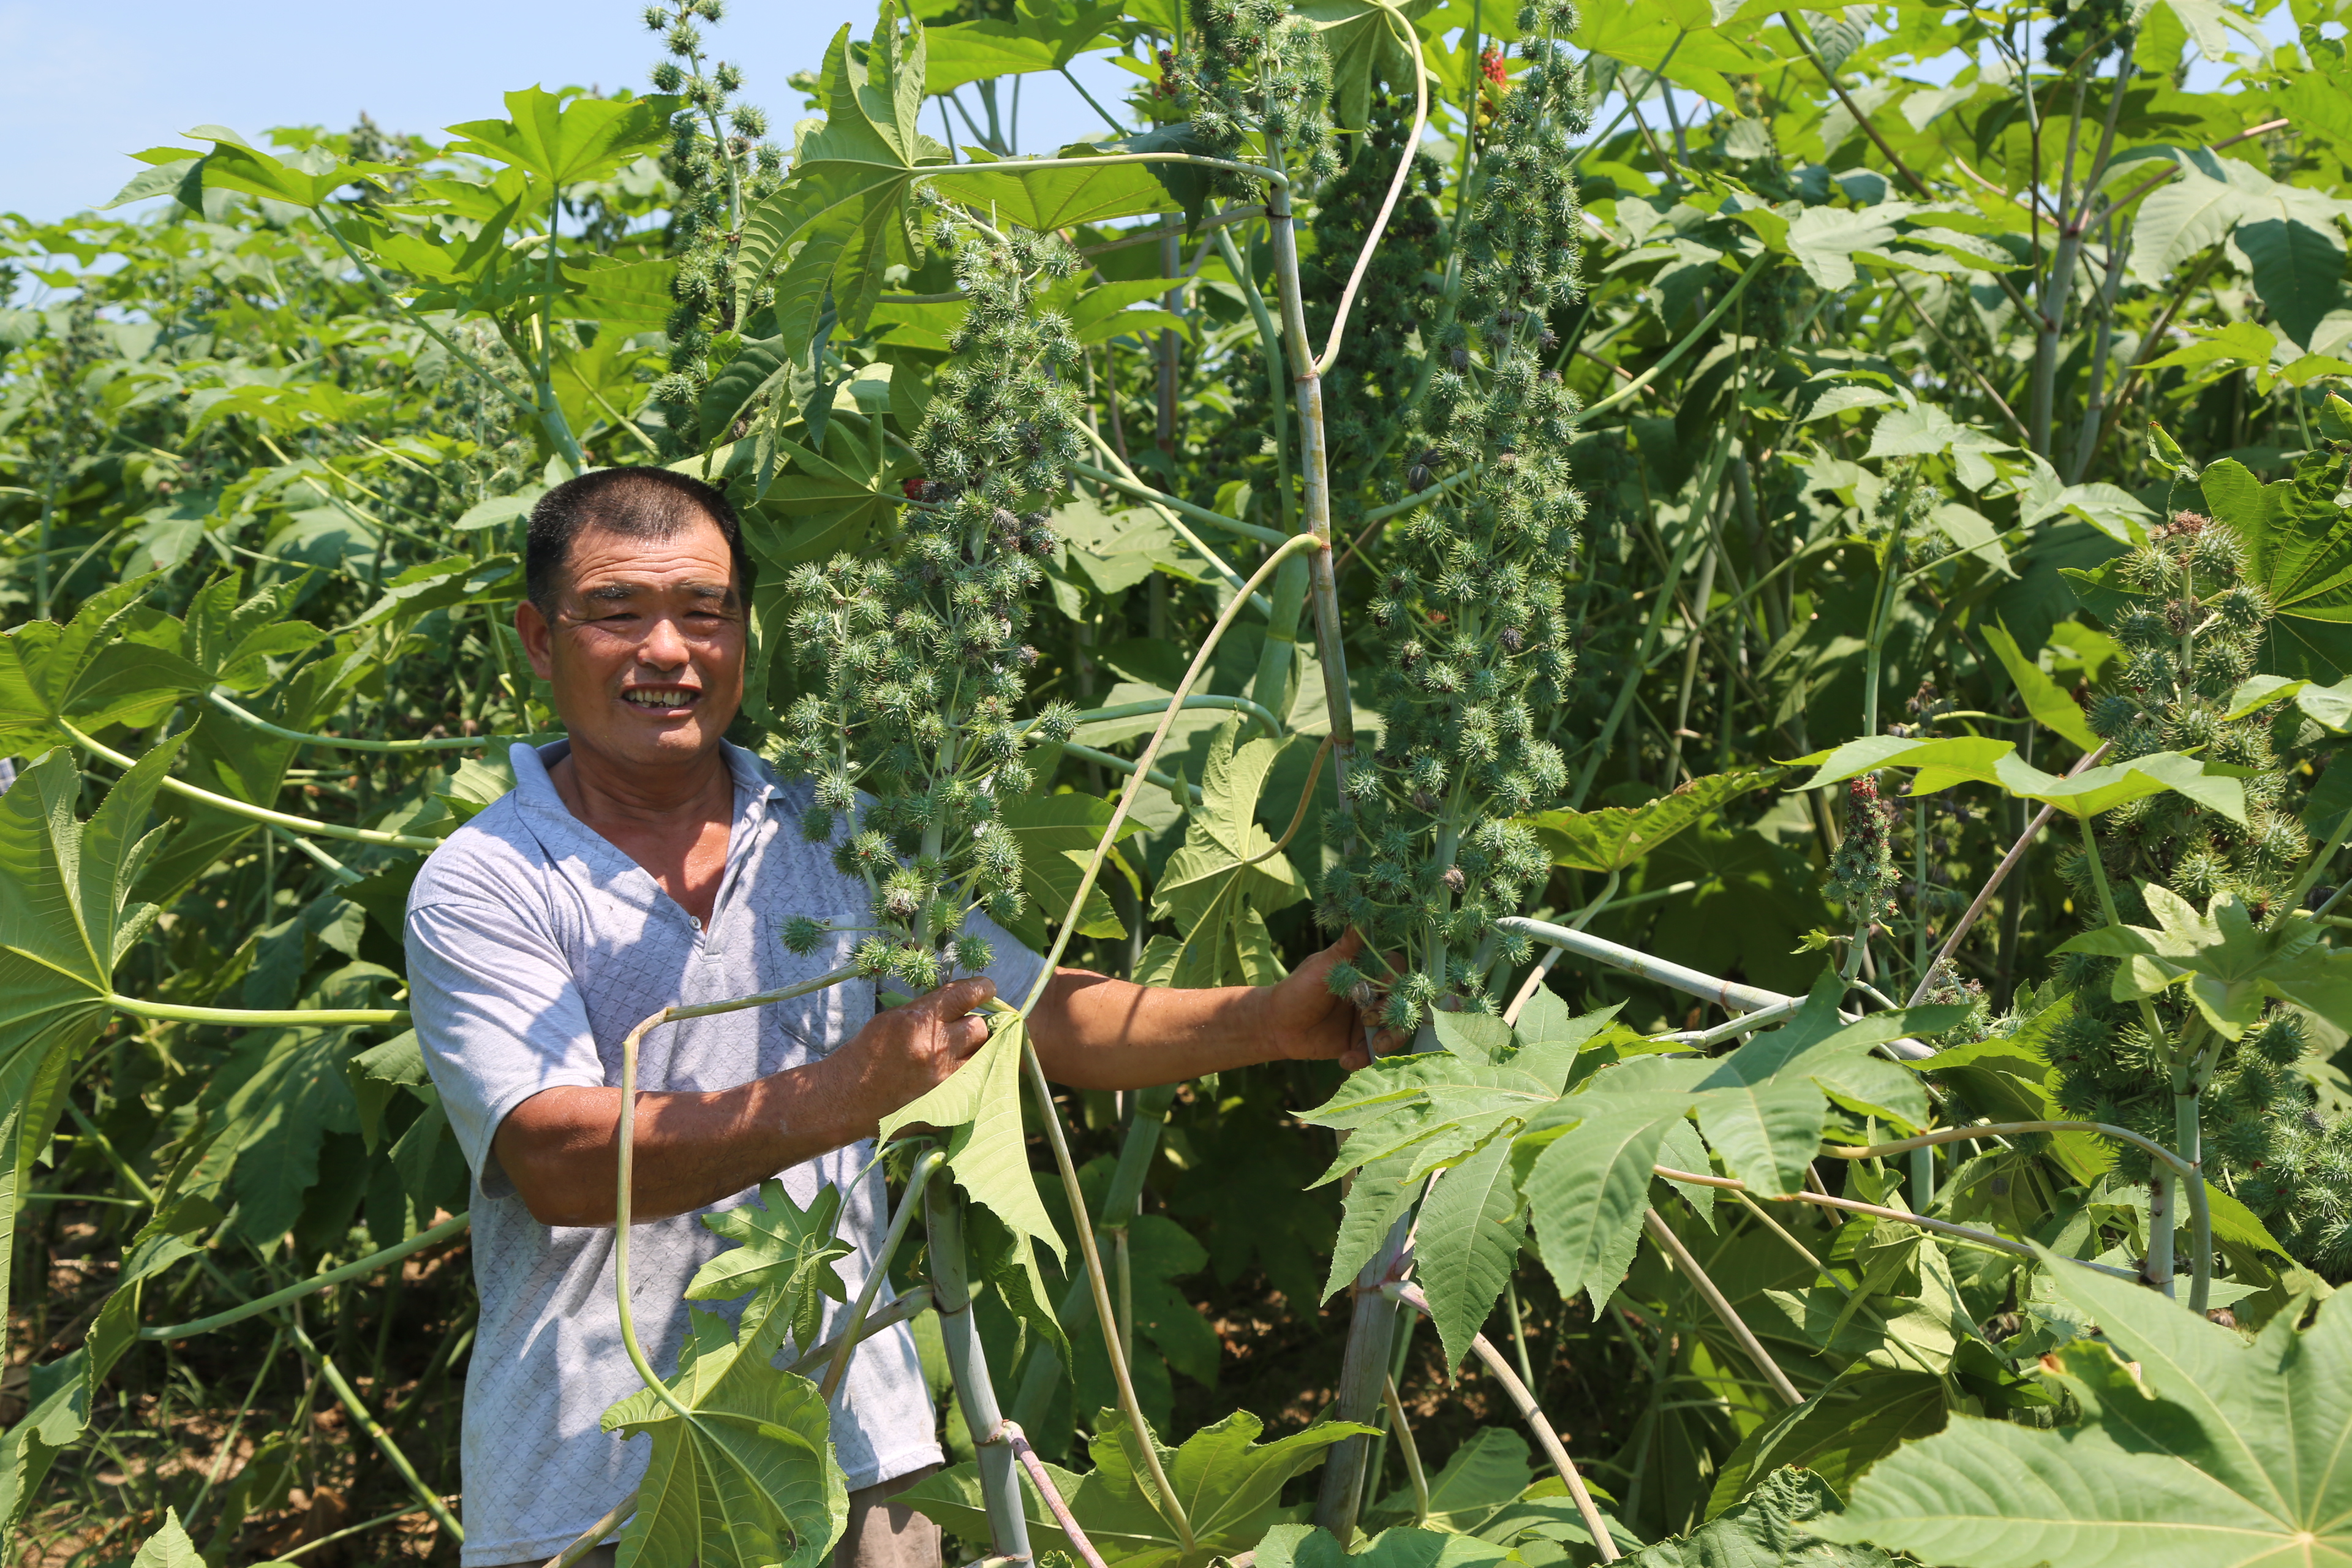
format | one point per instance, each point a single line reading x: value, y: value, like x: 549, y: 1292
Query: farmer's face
x: 645, y: 649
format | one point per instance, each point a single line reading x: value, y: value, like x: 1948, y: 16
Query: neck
x: 603, y: 792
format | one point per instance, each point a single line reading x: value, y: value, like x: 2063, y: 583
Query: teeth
x: 657, y: 696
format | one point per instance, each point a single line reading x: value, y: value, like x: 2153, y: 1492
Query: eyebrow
x: 622, y: 592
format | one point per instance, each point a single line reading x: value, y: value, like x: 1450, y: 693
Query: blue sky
x: 87, y: 84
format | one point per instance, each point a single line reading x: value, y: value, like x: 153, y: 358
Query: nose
x: 664, y: 646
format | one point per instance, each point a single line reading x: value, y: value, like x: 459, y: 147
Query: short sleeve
x: 499, y: 1016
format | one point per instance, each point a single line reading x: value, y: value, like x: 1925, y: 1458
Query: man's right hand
x: 904, y: 1054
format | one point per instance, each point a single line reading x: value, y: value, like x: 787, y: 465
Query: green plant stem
x: 1143, y: 493
x: 1518, y: 1329
x: 1534, y: 982
x: 909, y: 1202
x: 1173, y: 786
x: 1633, y: 388
x: 1984, y: 1238
x: 1546, y: 1436
x: 1408, y: 1450
x: 1672, y: 1245
x: 255, y: 813
x: 255, y: 721
x: 1077, y: 1308
x: 256, y: 1018
x: 358, y: 1269
x: 366, y: 1422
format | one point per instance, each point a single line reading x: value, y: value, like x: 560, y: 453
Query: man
x: 642, y: 862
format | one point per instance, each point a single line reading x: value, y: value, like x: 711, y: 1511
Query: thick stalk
x: 1363, y: 1370
x: 1314, y: 466
x: 256, y: 1018
x: 1000, y: 1485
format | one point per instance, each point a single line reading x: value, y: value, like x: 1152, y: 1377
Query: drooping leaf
x: 980, y: 1105
x: 1469, y: 1240
x: 1858, y: 1418
x: 1058, y: 834
x: 2053, y: 709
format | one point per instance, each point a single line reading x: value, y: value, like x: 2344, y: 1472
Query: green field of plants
x: 1790, y: 573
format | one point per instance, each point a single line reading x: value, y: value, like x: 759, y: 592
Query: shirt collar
x: 755, y: 785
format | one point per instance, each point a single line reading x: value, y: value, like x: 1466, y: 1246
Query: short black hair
x: 635, y: 502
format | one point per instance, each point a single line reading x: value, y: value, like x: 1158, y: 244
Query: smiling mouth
x: 660, y: 699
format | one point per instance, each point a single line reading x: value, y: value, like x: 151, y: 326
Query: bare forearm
x: 1094, y: 1032
x: 562, y: 1149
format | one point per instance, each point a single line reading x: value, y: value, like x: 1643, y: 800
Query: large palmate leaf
x: 1612, y: 839
x: 1226, y: 871
x: 842, y: 221
x: 63, y: 926
x: 2195, y: 1450
x: 1055, y: 198
x: 745, y: 1477
x: 1044, y: 36
x: 568, y: 141
x: 980, y: 1104
x: 2228, y: 965
x: 90, y: 673
x: 1230, y: 1485
x: 786, y: 1253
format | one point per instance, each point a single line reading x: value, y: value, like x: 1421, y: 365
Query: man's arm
x: 561, y: 1147
x: 1094, y: 1032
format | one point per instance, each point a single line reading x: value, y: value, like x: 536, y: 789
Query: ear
x: 538, y: 639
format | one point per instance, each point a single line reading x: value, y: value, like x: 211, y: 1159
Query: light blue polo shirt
x: 534, y: 946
